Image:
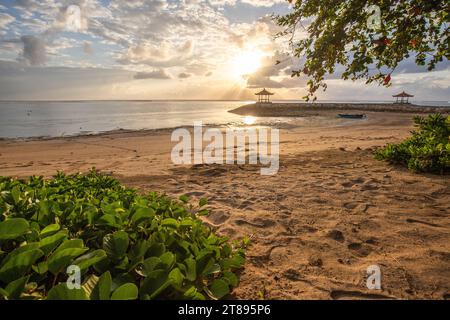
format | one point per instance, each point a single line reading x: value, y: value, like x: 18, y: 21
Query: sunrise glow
x: 246, y: 62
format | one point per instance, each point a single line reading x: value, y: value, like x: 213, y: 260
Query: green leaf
x: 15, y: 193
x: 13, y: 228
x: 219, y: 288
x: 142, y: 214
x: 155, y: 283
x: 231, y: 278
x: 150, y: 264
x: 203, y: 212
x: 49, y: 243
x: 102, y: 290
x: 16, y: 287
x: 192, y: 293
x: 89, y: 259
x: 3, y: 293
x: 170, y: 222
x: 191, y: 271
x: 19, y: 264
x: 184, y: 198
x: 237, y: 261
x: 26, y: 247
x: 202, y: 202
x: 62, y: 292
x: 156, y: 249
x: 116, y: 244
x: 109, y: 220
x: 211, y: 268
x: 127, y: 291
x: 187, y: 222
x: 73, y: 243
x: 62, y: 258
x: 168, y: 259
x: 176, y: 277
x: 49, y: 230
x: 41, y: 267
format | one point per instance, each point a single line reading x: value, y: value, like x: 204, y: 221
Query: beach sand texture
x: 330, y: 212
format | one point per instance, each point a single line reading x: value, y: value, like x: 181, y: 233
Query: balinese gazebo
x: 402, y: 97
x: 264, y: 96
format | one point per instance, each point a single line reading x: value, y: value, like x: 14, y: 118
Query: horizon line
x: 152, y: 100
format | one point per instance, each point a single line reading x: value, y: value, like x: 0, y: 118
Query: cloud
x: 258, y: 33
x: 271, y: 66
x: 410, y: 66
x: 34, y: 51
x: 155, y: 74
x: 262, y: 3
x: 36, y: 83
x: 221, y: 3
x: 255, y: 82
x: 163, y: 55
x: 5, y: 19
x: 184, y: 75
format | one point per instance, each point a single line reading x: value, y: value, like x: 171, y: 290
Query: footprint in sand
x: 350, y: 205
x: 195, y: 194
x: 346, y: 184
x: 258, y: 222
x: 360, y: 207
x: 359, y: 249
x: 336, y: 235
x: 247, y: 204
x: 218, y: 217
x: 369, y: 186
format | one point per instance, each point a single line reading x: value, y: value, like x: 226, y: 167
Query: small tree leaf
x: 127, y: 291
x: 19, y: 264
x: 62, y: 292
x: 219, y: 288
x: 13, y: 228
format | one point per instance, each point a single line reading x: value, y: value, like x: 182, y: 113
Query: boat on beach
x: 351, y: 116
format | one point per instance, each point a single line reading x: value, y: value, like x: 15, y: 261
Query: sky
x: 167, y: 49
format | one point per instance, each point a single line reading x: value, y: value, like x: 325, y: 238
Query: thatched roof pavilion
x: 264, y: 96
x: 402, y: 97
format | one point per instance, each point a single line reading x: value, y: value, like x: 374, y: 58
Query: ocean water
x: 19, y: 119
x: 54, y: 119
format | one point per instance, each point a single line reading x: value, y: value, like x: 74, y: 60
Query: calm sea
x: 53, y: 119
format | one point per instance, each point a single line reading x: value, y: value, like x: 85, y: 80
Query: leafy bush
x: 427, y: 150
x: 127, y: 246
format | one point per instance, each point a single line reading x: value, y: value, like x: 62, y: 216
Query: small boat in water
x: 351, y: 116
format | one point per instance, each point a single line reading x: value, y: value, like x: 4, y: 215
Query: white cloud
x: 263, y: 3
x: 5, y: 20
x: 221, y: 3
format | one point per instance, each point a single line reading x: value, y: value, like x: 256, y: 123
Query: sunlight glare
x: 249, y: 120
x: 246, y: 62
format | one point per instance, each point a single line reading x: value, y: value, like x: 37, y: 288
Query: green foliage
x: 338, y: 35
x: 427, y: 150
x: 127, y: 246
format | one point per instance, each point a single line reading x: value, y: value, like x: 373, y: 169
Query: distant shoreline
x: 281, y: 101
x: 277, y: 109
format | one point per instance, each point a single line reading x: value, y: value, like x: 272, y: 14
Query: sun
x: 246, y: 62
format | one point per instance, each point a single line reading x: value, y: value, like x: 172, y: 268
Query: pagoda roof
x: 403, y: 94
x: 264, y: 92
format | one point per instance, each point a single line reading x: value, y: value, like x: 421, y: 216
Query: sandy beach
x: 330, y: 212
